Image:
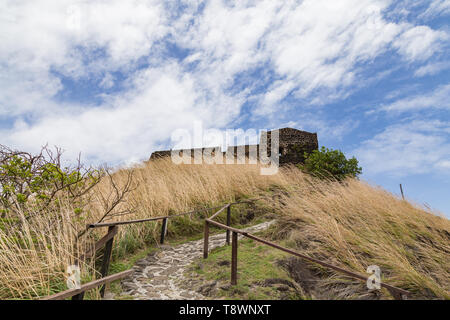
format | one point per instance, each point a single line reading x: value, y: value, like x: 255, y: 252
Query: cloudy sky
x: 113, y: 79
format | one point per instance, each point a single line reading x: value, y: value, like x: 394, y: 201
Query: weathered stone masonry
x: 292, y: 145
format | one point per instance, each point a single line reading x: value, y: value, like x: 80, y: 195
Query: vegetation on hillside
x: 44, y: 208
x: 40, y: 179
x: 355, y: 225
x: 36, y: 249
x: 330, y: 164
x: 260, y: 277
x: 351, y: 224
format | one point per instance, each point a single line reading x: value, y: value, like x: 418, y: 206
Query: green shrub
x: 330, y: 164
x: 41, y: 179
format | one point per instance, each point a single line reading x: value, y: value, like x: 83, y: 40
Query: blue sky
x: 114, y: 79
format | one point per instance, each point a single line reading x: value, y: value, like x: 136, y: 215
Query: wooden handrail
x: 324, y: 264
x: 221, y: 225
x: 100, y: 243
x: 107, y: 241
x: 90, y: 285
x: 396, y: 292
x: 220, y: 211
x: 116, y: 223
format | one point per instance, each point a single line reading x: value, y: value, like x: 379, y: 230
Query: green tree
x: 33, y: 185
x: 330, y: 164
x: 40, y: 179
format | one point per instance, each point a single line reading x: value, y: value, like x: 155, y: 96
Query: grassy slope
x: 356, y: 225
x: 352, y: 225
x: 259, y: 277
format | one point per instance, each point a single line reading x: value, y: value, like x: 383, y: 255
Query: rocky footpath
x: 164, y: 275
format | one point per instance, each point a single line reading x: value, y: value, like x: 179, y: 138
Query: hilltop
x: 350, y: 224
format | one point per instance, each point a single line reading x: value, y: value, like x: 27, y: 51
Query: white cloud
x: 410, y: 148
x: 64, y: 36
x: 422, y: 9
x: 437, y: 99
x: 444, y: 164
x: 318, y: 43
x: 107, y: 81
x: 437, y: 8
x: 420, y: 43
x: 311, y: 49
x: 225, y: 39
x: 315, y: 47
x: 431, y: 69
x: 164, y: 99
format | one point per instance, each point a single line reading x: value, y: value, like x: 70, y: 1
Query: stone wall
x: 293, y: 144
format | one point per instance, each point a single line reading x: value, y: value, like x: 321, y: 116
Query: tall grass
x: 163, y: 188
x: 351, y: 224
x: 34, y: 257
x: 354, y: 225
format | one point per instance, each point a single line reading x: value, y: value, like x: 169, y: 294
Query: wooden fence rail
x: 77, y: 294
x: 107, y: 242
x: 397, y: 293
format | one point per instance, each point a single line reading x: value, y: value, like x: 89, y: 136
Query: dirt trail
x: 159, y: 276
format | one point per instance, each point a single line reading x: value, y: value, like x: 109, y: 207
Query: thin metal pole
x: 228, y: 223
x: 163, y: 230
x: 234, y: 257
x: 401, y: 190
x: 205, y: 240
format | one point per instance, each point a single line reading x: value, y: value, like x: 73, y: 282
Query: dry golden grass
x: 353, y: 225
x: 34, y: 257
x: 34, y: 264
x: 163, y: 187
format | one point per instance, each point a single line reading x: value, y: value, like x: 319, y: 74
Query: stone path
x: 160, y: 276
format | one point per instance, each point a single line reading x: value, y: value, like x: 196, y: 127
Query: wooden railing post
x: 396, y: 295
x: 79, y: 296
x: 107, y: 259
x: 234, y: 257
x: 228, y: 223
x: 205, y: 240
x: 163, y: 230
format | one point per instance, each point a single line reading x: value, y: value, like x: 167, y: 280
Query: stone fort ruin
x: 293, y: 144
